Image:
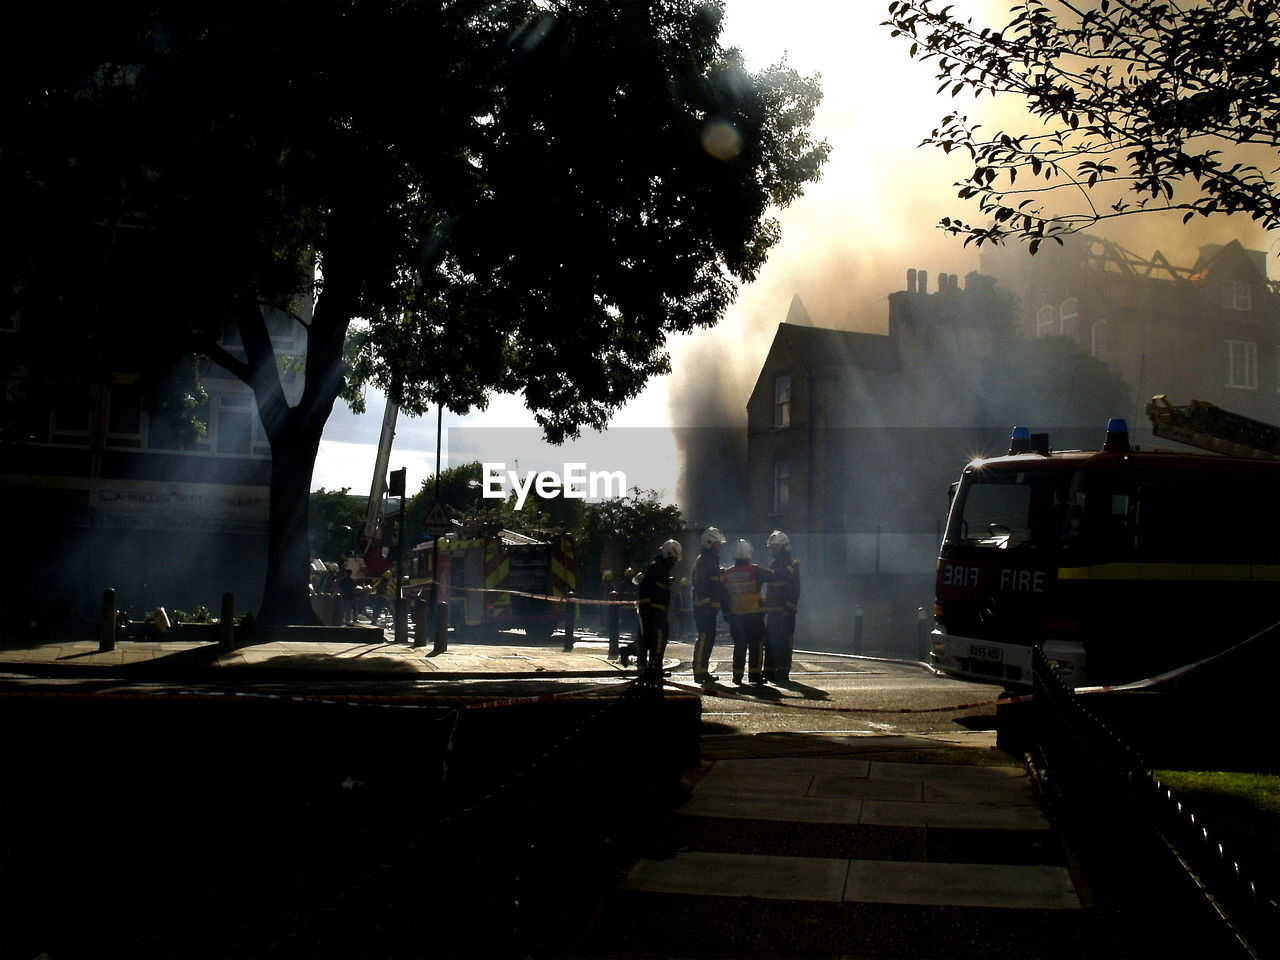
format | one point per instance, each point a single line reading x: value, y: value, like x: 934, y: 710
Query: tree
x: 629, y: 528
x: 335, y: 519
x: 519, y: 196
x: 1144, y: 106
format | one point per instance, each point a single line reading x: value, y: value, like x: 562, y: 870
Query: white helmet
x: 779, y: 539
x: 670, y: 550
x: 743, y: 550
x: 712, y: 536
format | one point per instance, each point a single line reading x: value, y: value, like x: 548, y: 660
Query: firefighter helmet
x: 712, y: 536
x: 670, y: 550
x: 743, y: 551
x: 779, y: 539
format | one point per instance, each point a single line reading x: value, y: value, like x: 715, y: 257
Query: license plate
x: 986, y: 653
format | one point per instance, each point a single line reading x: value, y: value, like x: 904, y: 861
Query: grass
x: 1242, y: 809
x: 1259, y: 790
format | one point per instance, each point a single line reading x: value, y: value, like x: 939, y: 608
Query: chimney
x: 911, y: 281
x: 922, y: 281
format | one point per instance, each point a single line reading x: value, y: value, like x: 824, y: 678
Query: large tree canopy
x: 521, y: 196
x: 1141, y: 106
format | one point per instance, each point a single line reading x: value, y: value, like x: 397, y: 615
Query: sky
x: 845, y: 246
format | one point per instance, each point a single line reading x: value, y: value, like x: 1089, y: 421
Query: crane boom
x: 378, y: 486
x: 1203, y: 425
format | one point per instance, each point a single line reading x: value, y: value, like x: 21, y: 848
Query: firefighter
x: 708, y: 594
x: 780, y: 609
x: 384, y: 592
x: 652, y: 603
x: 745, y: 610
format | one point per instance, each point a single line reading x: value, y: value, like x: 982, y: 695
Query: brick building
x: 853, y: 439
x: 1208, y: 331
x: 100, y: 492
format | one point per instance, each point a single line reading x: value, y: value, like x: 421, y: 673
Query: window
x: 124, y: 418
x: 1242, y: 364
x: 1100, y: 339
x: 781, y: 485
x: 234, y: 431
x: 782, y: 402
x: 1069, y: 317
x: 1046, y: 321
x: 71, y: 410
x: 1238, y: 296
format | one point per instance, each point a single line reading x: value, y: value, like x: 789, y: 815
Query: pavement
x: 851, y: 846
x: 363, y: 653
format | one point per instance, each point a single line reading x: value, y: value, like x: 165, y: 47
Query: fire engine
x: 494, y: 578
x: 1119, y: 563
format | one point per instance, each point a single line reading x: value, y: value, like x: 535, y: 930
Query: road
x: 832, y: 693
x: 838, y: 693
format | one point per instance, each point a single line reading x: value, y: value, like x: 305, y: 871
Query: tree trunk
x: 294, y: 434
x: 285, y: 598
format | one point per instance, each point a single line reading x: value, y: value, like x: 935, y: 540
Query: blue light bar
x: 1117, y: 436
x: 1020, y: 441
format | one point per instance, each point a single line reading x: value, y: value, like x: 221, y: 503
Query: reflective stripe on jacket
x: 708, y: 589
x: 783, y: 595
x: 654, y: 592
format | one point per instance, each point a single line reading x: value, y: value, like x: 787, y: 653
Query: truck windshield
x: 1014, y: 509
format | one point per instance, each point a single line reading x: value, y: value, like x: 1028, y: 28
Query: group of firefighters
x: 759, y: 604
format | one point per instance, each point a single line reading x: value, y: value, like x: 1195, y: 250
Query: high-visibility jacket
x: 742, y: 584
x: 708, y: 588
x: 782, y: 595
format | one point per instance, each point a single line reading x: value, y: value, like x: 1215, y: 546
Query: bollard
x: 857, y: 630
x: 107, y: 625
x: 420, y: 625
x: 442, y: 628
x: 922, y: 636
x: 613, y: 621
x: 227, y: 622
x: 570, y: 620
x: 402, y: 620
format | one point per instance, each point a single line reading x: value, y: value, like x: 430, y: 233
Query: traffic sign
x: 437, y: 522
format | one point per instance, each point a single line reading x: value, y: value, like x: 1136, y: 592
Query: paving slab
x: 773, y: 785
x: 742, y: 875
x: 707, y: 873
x: 982, y: 816
x: 811, y: 766
x: 863, y: 788
x: 781, y: 809
x: 1016, y: 886
x: 896, y: 770
x: 1017, y: 792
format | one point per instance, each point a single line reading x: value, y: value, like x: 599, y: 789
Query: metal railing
x: 1159, y: 858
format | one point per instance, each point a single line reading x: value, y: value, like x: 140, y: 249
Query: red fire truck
x: 494, y: 579
x: 1120, y: 563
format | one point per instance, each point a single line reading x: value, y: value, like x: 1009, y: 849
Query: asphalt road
x: 832, y: 693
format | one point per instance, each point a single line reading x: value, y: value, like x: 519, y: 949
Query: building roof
x: 818, y: 350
